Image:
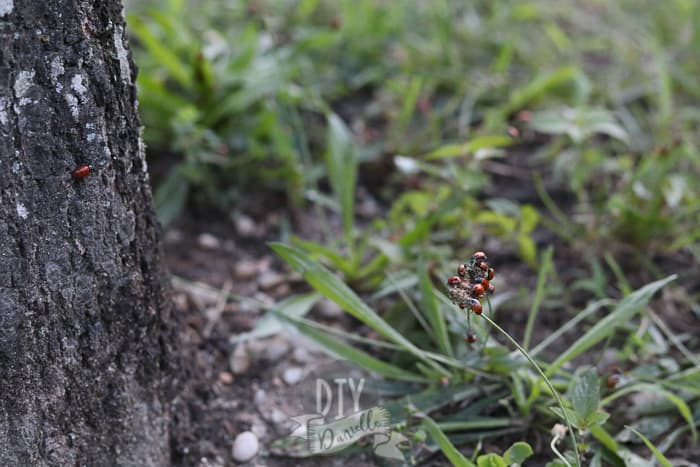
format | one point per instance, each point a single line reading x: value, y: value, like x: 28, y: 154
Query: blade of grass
x: 358, y: 357
x: 341, y: 160
x: 680, y: 404
x: 435, y: 317
x: 659, y: 456
x: 546, y: 266
x: 571, y: 324
x: 455, y: 457
x: 625, y: 310
x: 333, y: 288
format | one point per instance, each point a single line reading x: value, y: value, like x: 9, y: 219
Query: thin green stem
x: 546, y: 380
x: 553, y: 445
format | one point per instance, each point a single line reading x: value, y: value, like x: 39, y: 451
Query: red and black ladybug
x: 81, y: 171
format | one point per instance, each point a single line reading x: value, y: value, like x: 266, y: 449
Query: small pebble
x: 301, y: 355
x: 276, y: 348
x: 245, y: 446
x: 329, y: 309
x: 225, y: 378
x: 292, y: 375
x: 207, y: 240
x: 245, y: 270
x: 245, y: 226
x: 270, y: 279
x: 240, y: 361
x: 259, y: 397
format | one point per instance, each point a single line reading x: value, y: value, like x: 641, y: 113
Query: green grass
x: 562, y: 136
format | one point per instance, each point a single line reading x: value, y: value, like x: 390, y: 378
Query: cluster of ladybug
x: 470, y: 284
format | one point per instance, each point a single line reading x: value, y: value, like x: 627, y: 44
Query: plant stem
x: 553, y: 445
x: 546, y: 380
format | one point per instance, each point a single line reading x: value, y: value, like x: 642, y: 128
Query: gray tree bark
x: 86, y: 330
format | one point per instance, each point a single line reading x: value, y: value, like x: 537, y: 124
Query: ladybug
x: 483, y: 266
x: 478, y: 290
x: 491, y: 289
x: 454, y: 280
x: 470, y: 338
x: 491, y: 273
x: 461, y: 270
x: 484, y: 281
x: 475, y: 305
x: 612, y: 381
x: 81, y: 171
x: 479, y: 255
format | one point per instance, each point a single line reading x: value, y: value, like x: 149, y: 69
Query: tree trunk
x: 86, y: 330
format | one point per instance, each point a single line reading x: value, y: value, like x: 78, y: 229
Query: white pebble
x: 207, y: 240
x: 245, y: 446
x: 329, y: 309
x: 240, y: 361
x: 270, y: 279
x: 292, y: 375
x: 245, y: 226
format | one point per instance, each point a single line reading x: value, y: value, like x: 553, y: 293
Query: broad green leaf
x: 597, y: 418
x: 623, y: 312
x: 455, y: 457
x: 490, y: 460
x: 517, y: 453
x: 585, y: 393
x: 658, y: 454
x: 571, y: 414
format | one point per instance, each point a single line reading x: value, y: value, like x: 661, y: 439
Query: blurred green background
x: 237, y: 97
x: 417, y: 131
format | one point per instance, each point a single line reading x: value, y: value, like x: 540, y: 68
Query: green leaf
x: 659, y: 456
x: 680, y: 404
x: 546, y: 266
x: 571, y: 414
x: 169, y: 199
x: 491, y: 460
x: 597, y: 418
x: 333, y: 288
x: 517, y: 453
x: 155, y: 46
x: 295, y: 306
x: 625, y: 310
x: 480, y: 142
x: 434, y: 314
x: 585, y: 393
x: 341, y: 160
x: 601, y: 435
x: 455, y: 457
x: 343, y: 350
